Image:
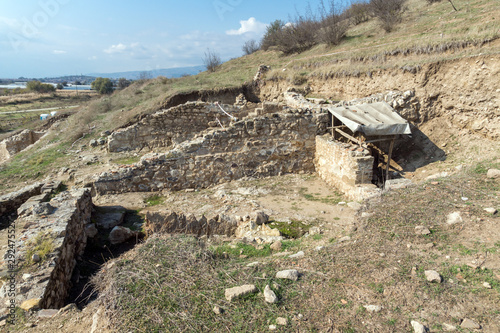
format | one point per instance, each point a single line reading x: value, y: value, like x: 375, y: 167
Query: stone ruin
x: 13, y: 145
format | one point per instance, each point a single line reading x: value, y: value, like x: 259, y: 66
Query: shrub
x: 102, y: 85
x: 212, y: 60
x: 39, y: 87
x: 298, y: 36
x: 358, y: 12
x: 270, y: 38
x: 250, y: 47
x: 389, y: 12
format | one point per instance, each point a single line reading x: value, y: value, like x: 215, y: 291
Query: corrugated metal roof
x: 372, y: 119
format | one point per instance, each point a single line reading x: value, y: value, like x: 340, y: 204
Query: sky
x: 50, y: 38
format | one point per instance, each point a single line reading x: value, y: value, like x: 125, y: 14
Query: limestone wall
x: 11, y: 202
x: 166, y: 127
x: 60, y: 222
x: 264, y: 146
x: 344, y: 166
x: 16, y: 143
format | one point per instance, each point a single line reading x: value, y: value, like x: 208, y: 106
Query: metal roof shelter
x: 373, y: 122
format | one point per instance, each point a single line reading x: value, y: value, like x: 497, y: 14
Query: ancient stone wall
x: 60, y: 222
x: 16, y: 143
x: 264, y: 146
x: 345, y: 166
x: 166, y: 127
x: 11, y: 202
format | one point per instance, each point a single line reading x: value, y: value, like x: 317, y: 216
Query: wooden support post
x: 333, y: 125
x: 389, y: 157
x: 350, y: 137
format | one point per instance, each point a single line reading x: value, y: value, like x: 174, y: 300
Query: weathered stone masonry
x: 344, y: 166
x: 63, y: 221
x: 16, y: 143
x: 164, y: 128
x: 264, y: 146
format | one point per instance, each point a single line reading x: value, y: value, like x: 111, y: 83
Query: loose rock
x: 290, y: 274
x: 297, y: 255
x: 433, y: 276
x: 417, y: 327
x: 454, y: 218
x: 269, y: 295
x: 491, y: 210
x: 470, y: 324
x: 235, y: 292
x: 120, y: 234
x: 281, y: 321
x: 373, y: 308
x: 276, y: 246
x: 487, y: 285
x: 421, y: 230
x: 493, y: 173
x: 261, y: 217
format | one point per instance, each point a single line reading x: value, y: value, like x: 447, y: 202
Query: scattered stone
x: 260, y: 217
x: 290, y: 274
x: 35, y: 257
x: 95, y: 321
x: 26, y: 277
x: 297, y: 255
x: 342, y: 203
x: 68, y: 308
x: 281, y: 321
x: 91, y: 230
x: 433, y: 276
x: 93, y: 143
x: 110, y: 220
x: 417, y: 327
x: 276, y: 246
x: 319, y: 248
x: 120, y: 234
x: 272, y: 327
x: 253, y: 264
x: 345, y: 239
x: 354, y: 205
x: 373, y: 308
x: 487, y: 285
x: 421, y: 230
x: 29, y: 325
x: 454, y: 218
x: 470, y: 324
x: 47, y: 313
x: 218, y: 310
x: 491, y: 210
x: 314, y: 231
x: 30, y: 304
x: 269, y: 295
x: 493, y: 173
x: 448, y: 327
x: 235, y: 292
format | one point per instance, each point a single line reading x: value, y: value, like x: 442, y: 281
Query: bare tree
x: 212, y: 60
x: 389, y: 12
x: 250, y: 47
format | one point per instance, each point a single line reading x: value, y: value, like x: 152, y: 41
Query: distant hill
x: 167, y: 72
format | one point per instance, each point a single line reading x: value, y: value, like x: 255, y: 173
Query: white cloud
x: 9, y: 22
x: 58, y: 52
x: 118, y: 48
x: 250, y: 25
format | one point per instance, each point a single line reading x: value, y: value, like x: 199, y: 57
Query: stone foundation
x: 345, y: 166
x: 13, y: 145
x: 9, y: 203
x: 167, y: 127
x: 264, y: 146
x: 61, y: 222
x: 166, y: 221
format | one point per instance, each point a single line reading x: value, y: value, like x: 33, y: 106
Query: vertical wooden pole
x: 389, y: 157
x: 333, y: 126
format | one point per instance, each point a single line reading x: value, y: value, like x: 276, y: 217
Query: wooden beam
x: 350, y: 137
x: 389, y: 157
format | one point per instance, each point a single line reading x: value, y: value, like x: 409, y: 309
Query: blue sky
x: 44, y: 38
